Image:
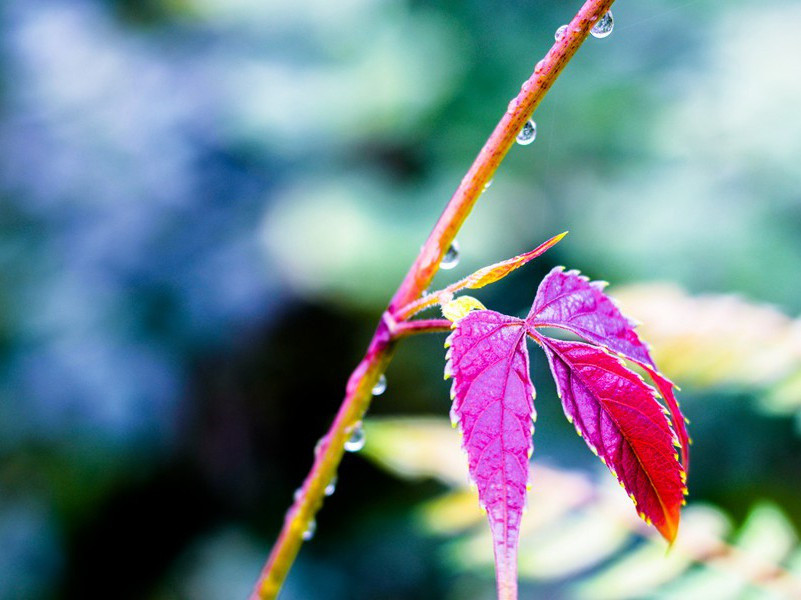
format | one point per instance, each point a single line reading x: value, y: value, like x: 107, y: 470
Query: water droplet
x: 380, y: 386
x: 298, y: 493
x: 604, y: 26
x: 540, y: 66
x: 560, y: 32
x: 318, y: 447
x: 357, y: 438
x: 331, y: 487
x: 528, y: 134
x: 310, y: 530
x: 487, y: 185
x: 451, y: 258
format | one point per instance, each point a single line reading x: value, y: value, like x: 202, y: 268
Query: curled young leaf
x: 498, y: 271
x: 618, y: 415
x: 493, y: 405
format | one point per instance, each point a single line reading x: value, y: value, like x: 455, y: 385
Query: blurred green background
x: 206, y: 204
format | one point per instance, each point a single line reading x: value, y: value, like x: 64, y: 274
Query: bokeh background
x: 205, y: 205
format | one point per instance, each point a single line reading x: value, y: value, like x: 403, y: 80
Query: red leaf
x: 493, y: 404
x: 622, y: 421
x: 571, y: 301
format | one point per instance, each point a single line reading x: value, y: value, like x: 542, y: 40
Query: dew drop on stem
x: 604, y: 26
x: 357, y: 438
x: 528, y: 134
x: 318, y: 447
x: 380, y: 386
x: 451, y: 258
x: 560, y: 32
x: 331, y: 487
x: 310, y: 530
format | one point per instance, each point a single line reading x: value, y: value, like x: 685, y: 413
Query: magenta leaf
x: 621, y: 420
x: 493, y: 404
x: 570, y: 301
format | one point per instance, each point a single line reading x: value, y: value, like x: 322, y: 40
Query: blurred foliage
x: 721, y: 341
x: 586, y: 534
x: 192, y: 191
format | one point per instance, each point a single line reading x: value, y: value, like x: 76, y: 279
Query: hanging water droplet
x: 528, y: 134
x: 540, y: 66
x: 331, y: 487
x: 560, y: 32
x: 604, y: 26
x: 451, y: 258
x: 380, y: 386
x: 357, y: 438
x: 310, y: 530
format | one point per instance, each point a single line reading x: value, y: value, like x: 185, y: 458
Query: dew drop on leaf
x: 528, y: 134
x: 604, y: 26
x: 310, y: 530
x: 560, y: 32
x: 357, y: 438
x: 380, y: 386
x: 331, y: 487
x: 451, y: 258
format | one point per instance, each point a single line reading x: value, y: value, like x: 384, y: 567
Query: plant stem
x: 407, y: 328
x: 358, y: 394
x: 500, y: 141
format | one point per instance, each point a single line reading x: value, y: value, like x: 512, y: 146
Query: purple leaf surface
x: 493, y: 404
x: 621, y: 420
x: 570, y: 301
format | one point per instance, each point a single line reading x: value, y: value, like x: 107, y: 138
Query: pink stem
x: 407, y: 328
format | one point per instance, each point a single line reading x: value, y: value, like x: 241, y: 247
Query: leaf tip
x: 670, y: 528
